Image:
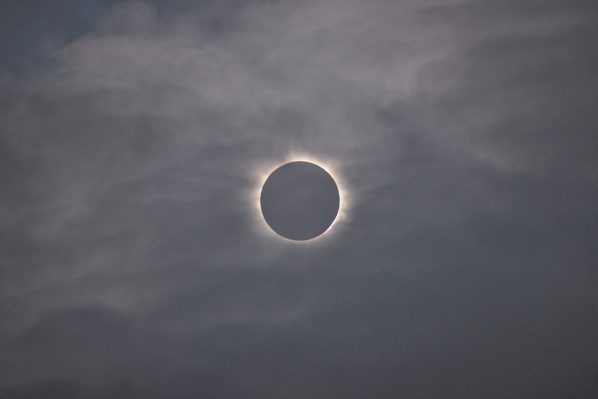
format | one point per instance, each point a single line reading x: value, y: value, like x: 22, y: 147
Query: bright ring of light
x: 262, y: 174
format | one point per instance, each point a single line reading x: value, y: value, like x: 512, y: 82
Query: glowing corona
x: 263, y: 172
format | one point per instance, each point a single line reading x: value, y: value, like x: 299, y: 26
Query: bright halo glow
x: 264, y: 171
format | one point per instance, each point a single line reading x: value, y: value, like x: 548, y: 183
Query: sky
x: 134, y: 137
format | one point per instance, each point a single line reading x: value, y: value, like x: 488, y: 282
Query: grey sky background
x: 132, y: 260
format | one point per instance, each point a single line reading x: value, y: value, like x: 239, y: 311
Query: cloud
x: 132, y: 262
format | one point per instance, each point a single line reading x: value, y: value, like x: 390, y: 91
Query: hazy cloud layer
x: 133, y: 262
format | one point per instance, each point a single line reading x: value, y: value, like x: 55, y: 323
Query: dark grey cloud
x: 133, y: 260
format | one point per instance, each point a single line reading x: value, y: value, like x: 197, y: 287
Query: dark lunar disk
x: 300, y: 200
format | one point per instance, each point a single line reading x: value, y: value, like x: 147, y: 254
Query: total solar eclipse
x: 300, y: 200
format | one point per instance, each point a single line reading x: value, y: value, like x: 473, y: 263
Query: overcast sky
x: 134, y: 262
